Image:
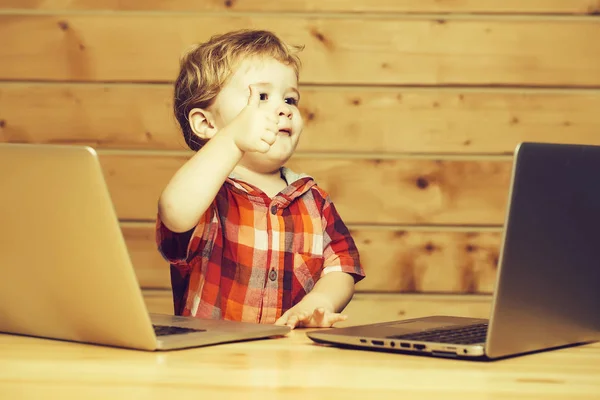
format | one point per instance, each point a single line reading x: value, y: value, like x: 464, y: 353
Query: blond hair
x: 205, y: 68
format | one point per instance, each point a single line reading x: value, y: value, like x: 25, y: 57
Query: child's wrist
x: 318, y: 300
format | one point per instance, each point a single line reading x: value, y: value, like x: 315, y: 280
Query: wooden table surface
x: 292, y: 367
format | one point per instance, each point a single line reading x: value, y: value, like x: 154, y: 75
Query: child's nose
x: 284, y: 110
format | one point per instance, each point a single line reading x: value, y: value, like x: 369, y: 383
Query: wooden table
x: 289, y: 368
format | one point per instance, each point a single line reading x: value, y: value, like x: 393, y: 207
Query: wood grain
x: 146, y: 47
x: 367, y: 308
x: 395, y: 260
x: 291, y: 368
x: 405, y: 6
x: 346, y: 119
x: 403, y: 190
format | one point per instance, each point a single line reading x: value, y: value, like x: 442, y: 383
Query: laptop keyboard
x: 470, y: 334
x: 164, y: 330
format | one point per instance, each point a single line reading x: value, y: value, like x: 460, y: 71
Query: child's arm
x: 322, y: 306
x: 194, y: 186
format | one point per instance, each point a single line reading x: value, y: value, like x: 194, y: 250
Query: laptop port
x: 377, y: 342
x: 405, y: 345
x: 392, y: 344
x: 440, y: 353
x: 420, y: 346
x: 363, y: 340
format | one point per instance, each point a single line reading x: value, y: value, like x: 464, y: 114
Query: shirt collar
x: 291, y: 176
x: 286, y: 173
x: 297, y: 184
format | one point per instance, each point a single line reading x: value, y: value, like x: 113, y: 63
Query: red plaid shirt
x: 252, y: 257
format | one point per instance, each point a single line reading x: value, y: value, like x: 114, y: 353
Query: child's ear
x: 202, y: 123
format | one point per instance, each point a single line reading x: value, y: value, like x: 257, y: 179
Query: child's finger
x: 303, y: 316
x: 255, y: 90
x: 271, y: 127
x: 262, y: 147
x: 335, y: 317
x: 283, y: 319
x: 269, y: 137
x: 292, y: 321
x: 319, y: 316
x: 303, y: 319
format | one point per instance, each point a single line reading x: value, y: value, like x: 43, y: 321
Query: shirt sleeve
x: 339, y: 250
x: 178, y: 248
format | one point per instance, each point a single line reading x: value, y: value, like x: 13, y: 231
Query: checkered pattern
x: 251, y: 258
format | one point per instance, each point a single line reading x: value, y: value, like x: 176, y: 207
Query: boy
x: 248, y: 239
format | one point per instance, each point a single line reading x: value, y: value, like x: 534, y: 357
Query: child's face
x: 281, y: 97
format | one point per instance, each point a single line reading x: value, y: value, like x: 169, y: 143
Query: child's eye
x: 292, y: 101
x: 264, y: 96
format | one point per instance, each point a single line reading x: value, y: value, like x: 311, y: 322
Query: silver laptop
x: 65, y: 272
x: 547, y: 292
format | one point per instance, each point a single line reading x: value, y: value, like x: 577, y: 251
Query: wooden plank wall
x: 412, y: 110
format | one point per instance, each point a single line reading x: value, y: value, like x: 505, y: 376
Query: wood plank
x: 463, y: 51
x: 386, y: 6
x: 367, y: 308
x: 374, y: 308
x: 100, y: 115
x: 404, y: 190
x: 346, y: 119
x: 158, y: 301
x: 294, y: 368
x: 395, y: 260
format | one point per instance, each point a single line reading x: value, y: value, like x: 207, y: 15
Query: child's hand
x: 255, y: 128
x: 318, y: 318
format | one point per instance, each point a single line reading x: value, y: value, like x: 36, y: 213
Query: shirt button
x: 273, y: 275
x: 273, y: 210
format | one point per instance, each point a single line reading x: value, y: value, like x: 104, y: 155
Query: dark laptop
x: 547, y: 292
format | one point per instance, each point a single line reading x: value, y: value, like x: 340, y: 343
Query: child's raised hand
x: 255, y: 128
x: 318, y: 318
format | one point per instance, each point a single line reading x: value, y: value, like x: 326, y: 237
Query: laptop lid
x: 65, y: 270
x: 549, y: 268
x: 546, y: 293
